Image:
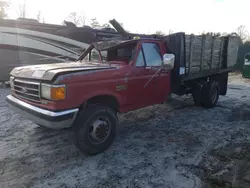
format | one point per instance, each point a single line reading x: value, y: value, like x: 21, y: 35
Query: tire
x: 210, y: 94
x: 91, y: 120
x: 197, y: 95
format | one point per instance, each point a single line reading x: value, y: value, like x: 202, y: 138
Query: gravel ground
x: 174, y: 145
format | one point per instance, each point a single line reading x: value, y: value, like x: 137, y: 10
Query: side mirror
x: 168, y: 61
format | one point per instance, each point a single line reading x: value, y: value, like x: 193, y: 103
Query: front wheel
x: 95, y: 129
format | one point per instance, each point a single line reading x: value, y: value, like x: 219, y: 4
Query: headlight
x: 53, y: 92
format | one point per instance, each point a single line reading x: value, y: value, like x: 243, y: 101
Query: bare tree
x: 38, y: 16
x: 22, y: 10
x: 218, y: 34
x: 106, y: 25
x: 170, y: 31
x: 202, y: 32
x: 3, y: 5
x: 82, y: 18
x: 242, y: 32
x: 94, y: 23
x: 78, y: 19
x: 159, y: 33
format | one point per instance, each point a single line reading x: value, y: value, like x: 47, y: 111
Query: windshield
x: 111, y: 52
x: 94, y: 55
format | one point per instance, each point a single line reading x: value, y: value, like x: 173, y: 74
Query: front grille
x: 27, y: 90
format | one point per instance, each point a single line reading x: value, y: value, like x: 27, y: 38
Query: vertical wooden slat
x: 212, y: 53
x: 183, y: 43
x: 190, y: 52
x: 225, y: 52
x: 203, y: 44
x: 221, y: 53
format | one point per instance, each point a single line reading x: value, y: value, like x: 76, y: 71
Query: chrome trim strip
x: 32, y: 89
x: 51, y: 85
x: 26, y: 98
x: 34, y: 95
x: 27, y: 82
x: 40, y: 110
x: 39, y: 91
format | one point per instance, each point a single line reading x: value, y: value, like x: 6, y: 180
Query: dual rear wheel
x: 206, y: 94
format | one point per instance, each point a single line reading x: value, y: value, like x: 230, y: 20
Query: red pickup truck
x: 118, y: 76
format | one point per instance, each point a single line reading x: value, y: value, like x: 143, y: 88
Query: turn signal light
x: 53, y: 92
x: 58, y: 93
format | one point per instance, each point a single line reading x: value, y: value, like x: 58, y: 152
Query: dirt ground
x: 174, y: 145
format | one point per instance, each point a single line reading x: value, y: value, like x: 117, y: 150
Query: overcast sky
x: 147, y: 16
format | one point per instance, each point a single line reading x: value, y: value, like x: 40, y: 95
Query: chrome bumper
x: 50, y: 119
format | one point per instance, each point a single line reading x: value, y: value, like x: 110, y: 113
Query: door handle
x: 164, y: 71
x: 152, y: 68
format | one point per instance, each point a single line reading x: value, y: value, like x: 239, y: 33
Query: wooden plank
x: 206, y: 74
x: 190, y: 58
x: 220, y: 54
x: 202, y: 51
x: 212, y: 53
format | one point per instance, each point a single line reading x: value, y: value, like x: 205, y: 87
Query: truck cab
x: 109, y: 77
x: 138, y: 63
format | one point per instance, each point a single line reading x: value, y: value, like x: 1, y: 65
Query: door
x: 153, y: 60
x: 148, y: 83
x: 158, y: 84
x: 137, y: 79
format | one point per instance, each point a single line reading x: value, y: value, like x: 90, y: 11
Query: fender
x: 120, y: 99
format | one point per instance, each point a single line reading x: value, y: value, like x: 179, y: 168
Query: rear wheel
x: 95, y: 129
x: 210, y: 94
x: 197, y: 95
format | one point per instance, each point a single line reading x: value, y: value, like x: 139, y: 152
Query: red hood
x: 49, y: 71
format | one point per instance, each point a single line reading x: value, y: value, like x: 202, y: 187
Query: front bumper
x: 50, y: 119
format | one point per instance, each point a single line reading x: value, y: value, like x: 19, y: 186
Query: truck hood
x: 50, y: 71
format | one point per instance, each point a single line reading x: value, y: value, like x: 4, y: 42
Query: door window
x: 140, y: 60
x: 152, y: 54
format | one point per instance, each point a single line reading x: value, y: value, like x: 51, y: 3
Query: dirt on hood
x: 49, y: 71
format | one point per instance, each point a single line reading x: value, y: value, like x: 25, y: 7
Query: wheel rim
x: 214, y: 95
x: 99, y: 130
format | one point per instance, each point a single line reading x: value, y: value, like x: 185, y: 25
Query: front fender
x: 116, y: 95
